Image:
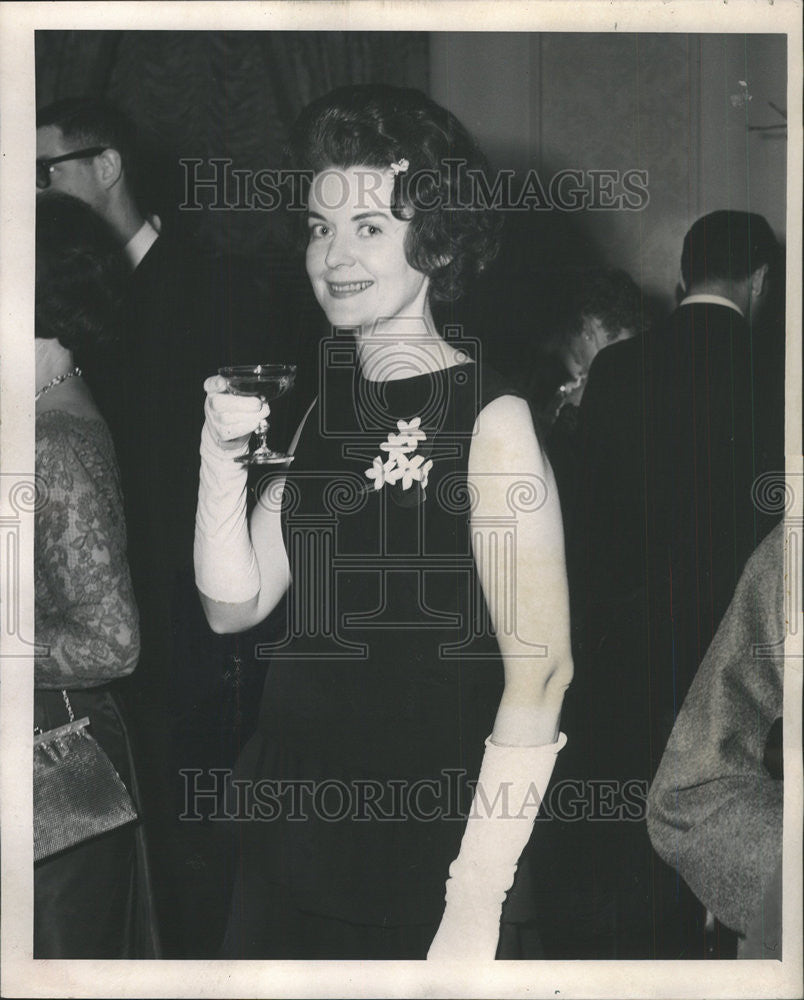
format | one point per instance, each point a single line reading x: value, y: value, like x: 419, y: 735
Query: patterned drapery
x: 218, y: 94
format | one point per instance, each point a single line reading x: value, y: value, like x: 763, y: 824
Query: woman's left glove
x: 509, y: 793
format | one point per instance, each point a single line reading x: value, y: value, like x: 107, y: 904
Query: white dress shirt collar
x: 715, y: 300
x: 140, y: 243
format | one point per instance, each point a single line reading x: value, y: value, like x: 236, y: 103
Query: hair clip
x: 401, y: 167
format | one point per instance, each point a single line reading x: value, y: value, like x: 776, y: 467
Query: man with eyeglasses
x: 86, y: 149
x: 45, y: 165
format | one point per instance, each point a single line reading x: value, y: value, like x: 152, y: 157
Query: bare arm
x: 515, y: 517
x: 527, y: 596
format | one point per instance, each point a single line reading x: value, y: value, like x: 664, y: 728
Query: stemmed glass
x: 269, y: 382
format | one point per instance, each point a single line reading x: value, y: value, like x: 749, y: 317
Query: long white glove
x: 225, y: 565
x: 509, y: 793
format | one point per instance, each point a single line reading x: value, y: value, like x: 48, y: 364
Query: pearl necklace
x: 57, y: 381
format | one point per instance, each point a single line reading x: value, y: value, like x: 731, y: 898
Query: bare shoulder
x: 504, y: 438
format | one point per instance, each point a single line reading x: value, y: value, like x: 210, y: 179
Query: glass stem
x: 262, y: 430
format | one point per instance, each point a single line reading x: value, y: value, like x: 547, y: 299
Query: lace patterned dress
x: 93, y: 900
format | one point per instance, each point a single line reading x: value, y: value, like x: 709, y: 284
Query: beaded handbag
x: 77, y: 792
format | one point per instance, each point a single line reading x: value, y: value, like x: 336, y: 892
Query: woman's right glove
x: 225, y: 565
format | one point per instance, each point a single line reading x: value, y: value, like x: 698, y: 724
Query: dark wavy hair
x: 452, y: 237
x: 80, y: 274
x: 607, y: 294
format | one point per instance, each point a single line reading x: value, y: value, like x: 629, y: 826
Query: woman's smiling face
x: 356, y: 251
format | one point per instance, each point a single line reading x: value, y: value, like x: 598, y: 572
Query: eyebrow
x: 379, y: 213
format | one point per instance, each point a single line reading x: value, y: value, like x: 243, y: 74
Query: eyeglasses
x: 44, y: 164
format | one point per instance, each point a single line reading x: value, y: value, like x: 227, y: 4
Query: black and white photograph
x: 402, y: 499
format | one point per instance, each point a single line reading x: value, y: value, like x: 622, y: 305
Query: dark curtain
x: 218, y: 94
x: 303, y: 65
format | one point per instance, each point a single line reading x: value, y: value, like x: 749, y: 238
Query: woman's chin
x: 339, y: 314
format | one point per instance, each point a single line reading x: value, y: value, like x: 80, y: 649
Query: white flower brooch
x: 401, y: 464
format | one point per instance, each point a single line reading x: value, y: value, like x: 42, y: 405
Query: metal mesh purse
x: 77, y: 792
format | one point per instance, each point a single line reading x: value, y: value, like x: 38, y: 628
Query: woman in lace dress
x: 415, y: 471
x: 92, y: 900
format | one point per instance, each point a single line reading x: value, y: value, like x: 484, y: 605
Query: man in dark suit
x: 675, y: 427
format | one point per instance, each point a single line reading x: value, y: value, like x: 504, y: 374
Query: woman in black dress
x: 417, y: 543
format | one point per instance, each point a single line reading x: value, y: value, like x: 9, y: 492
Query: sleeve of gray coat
x: 714, y: 811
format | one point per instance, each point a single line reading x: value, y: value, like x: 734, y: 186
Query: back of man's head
x: 726, y: 247
x: 86, y: 122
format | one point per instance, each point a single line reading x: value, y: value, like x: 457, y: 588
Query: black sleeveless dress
x: 350, y: 801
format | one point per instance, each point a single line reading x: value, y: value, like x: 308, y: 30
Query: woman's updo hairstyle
x: 452, y: 236
x: 80, y: 274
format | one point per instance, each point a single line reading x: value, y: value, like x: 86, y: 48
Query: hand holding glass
x: 269, y: 382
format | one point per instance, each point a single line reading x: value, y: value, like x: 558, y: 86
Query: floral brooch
x: 402, y: 464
